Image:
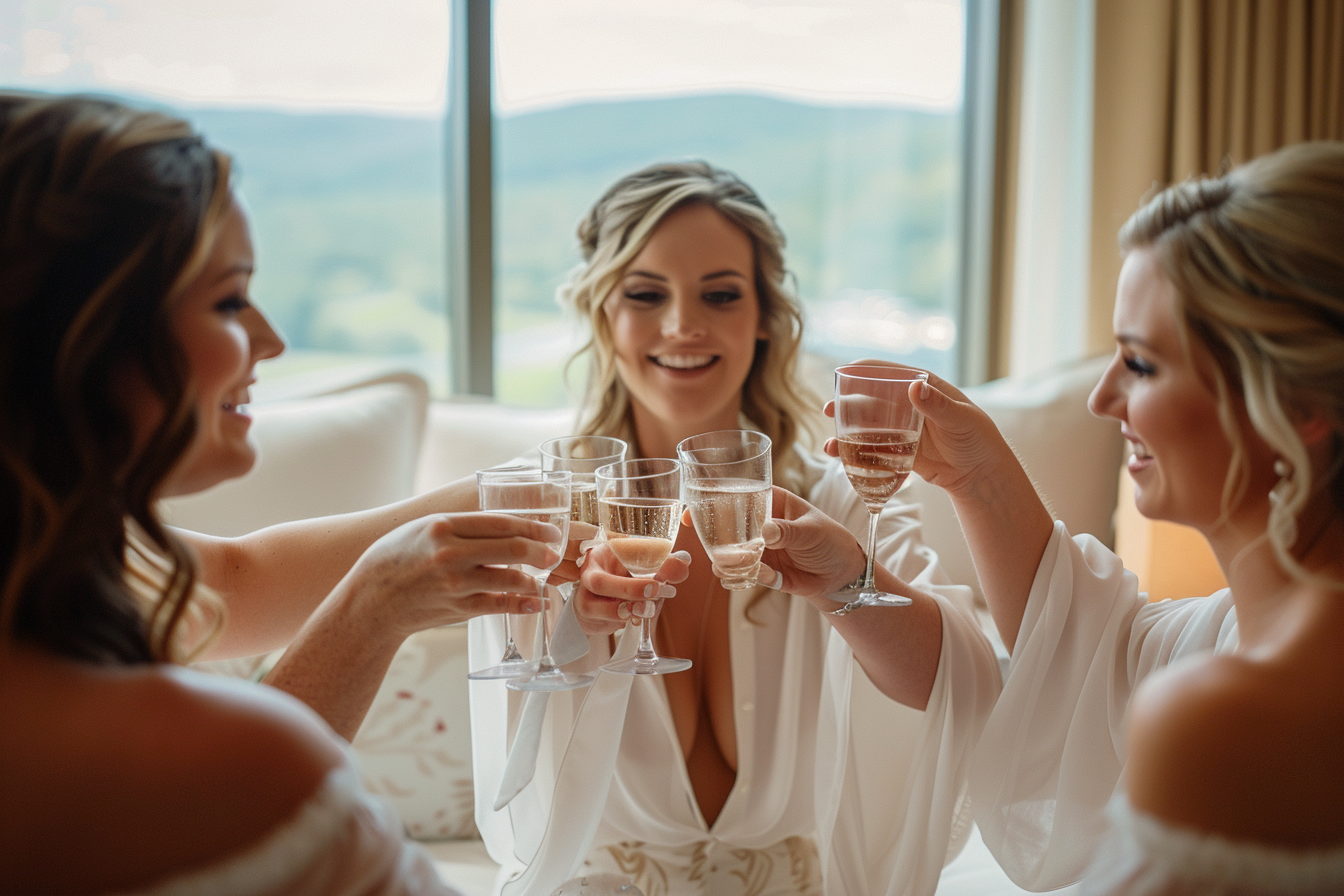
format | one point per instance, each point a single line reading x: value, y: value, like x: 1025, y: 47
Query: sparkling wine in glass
x: 542, y: 496
x: 877, y: 427
x: 581, y: 456
x: 639, y: 509
x: 725, y: 483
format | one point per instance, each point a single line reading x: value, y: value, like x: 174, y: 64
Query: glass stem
x: 510, y: 649
x: 546, y: 663
x: 868, y: 585
x: 645, y: 650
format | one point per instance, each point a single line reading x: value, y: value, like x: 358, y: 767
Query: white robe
x: 1052, y: 753
x: 880, y: 795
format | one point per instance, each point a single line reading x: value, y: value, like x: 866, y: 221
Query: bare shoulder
x: 172, y: 770
x: 1241, y: 748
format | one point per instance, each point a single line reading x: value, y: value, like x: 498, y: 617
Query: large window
x: 850, y: 118
x: 334, y: 112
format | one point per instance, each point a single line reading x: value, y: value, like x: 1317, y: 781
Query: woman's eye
x: 643, y: 295
x: 722, y: 296
x: 1139, y: 366
x: 234, y: 304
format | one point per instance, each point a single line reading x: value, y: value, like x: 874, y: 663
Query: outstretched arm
x: 273, y: 579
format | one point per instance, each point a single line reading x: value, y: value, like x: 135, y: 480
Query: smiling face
x: 684, y: 319
x: 1167, y: 408
x: 223, y: 336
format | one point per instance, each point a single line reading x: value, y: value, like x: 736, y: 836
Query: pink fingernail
x: 623, y: 611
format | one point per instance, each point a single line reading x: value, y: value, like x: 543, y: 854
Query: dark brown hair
x: 107, y: 212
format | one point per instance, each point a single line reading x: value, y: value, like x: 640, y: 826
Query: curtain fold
x: 1187, y: 87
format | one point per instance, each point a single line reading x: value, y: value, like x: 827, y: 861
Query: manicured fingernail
x: 530, y: 606
x: 683, y: 556
x: 645, y: 609
x: 665, y: 591
x: 578, y: 561
x: 768, y: 577
x: 770, y: 532
x: 651, y: 589
x: 924, y: 389
x: 623, y: 611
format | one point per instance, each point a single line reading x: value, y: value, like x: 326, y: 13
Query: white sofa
x: 332, y: 444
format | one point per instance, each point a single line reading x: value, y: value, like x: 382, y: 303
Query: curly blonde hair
x: 617, y: 228
x: 1257, y: 260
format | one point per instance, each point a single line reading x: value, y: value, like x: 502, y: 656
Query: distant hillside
x: 349, y: 215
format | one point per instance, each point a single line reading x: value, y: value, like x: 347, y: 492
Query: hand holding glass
x: 639, y: 508
x: 725, y: 483
x: 878, y: 429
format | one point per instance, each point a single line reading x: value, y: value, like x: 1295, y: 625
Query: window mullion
x: 470, y: 255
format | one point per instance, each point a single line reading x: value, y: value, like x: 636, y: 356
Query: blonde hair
x: 1257, y: 260
x: 617, y: 228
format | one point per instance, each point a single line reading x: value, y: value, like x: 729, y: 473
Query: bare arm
x: 813, y: 556
x: 273, y: 579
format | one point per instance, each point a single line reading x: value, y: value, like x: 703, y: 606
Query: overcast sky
x: 391, y: 55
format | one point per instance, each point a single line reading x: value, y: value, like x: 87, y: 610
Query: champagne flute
x: 725, y: 482
x: 581, y: 456
x: 639, y: 506
x: 512, y: 663
x: 543, y: 496
x: 878, y: 429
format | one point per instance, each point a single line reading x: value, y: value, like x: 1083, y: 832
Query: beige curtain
x: 1187, y: 87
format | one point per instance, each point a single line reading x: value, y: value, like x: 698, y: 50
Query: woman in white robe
x: 749, y: 773
x: 1223, y: 772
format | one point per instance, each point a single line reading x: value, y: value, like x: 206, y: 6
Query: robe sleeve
x: 892, y: 781
x: 1051, y: 755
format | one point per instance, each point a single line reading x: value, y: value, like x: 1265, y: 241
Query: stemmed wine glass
x: 725, y: 482
x: 543, y: 496
x: 639, y: 506
x: 878, y: 429
x: 581, y: 456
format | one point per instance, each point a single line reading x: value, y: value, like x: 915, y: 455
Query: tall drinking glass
x: 543, y: 496
x: 878, y: 429
x: 639, y: 507
x: 581, y: 456
x: 725, y: 483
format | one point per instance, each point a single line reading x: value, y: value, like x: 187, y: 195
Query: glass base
x: 653, y: 665
x: 506, y: 669
x: 878, y: 599
x: 555, y: 680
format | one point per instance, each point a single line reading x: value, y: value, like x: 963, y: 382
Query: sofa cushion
x: 322, y: 454
x: 414, y: 748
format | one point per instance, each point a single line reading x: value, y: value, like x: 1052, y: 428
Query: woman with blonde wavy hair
x: 738, y: 775
x: 1213, y: 726
x: 128, y: 343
